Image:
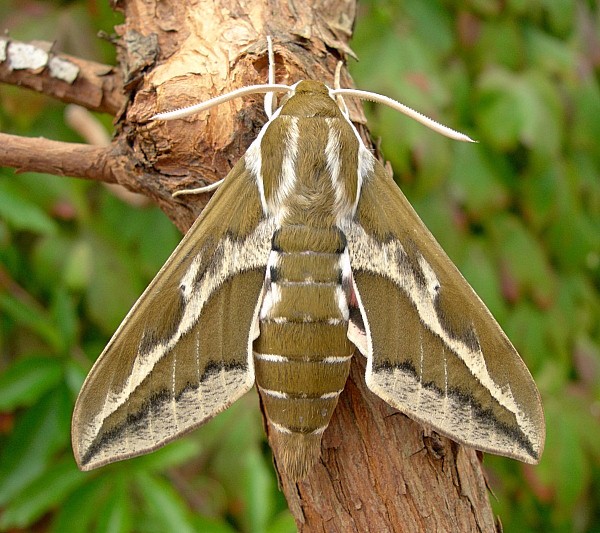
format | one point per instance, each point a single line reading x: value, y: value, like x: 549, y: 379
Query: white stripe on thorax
x: 342, y: 206
x: 288, y: 177
x: 366, y: 164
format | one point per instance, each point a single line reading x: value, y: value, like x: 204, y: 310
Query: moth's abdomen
x: 302, y: 356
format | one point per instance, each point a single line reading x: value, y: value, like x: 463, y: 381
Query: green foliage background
x: 519, y: 213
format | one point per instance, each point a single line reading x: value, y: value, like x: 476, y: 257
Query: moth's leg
x: 199, y: 190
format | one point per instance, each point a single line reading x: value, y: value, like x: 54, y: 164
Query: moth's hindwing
x: 434, y: 350
x: 184, y: 351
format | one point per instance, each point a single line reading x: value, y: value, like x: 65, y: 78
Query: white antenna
x: 237, y: 93
x: 271, y: 87
x: 415, y: 115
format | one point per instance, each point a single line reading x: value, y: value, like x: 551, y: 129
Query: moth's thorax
x: 306, y: 162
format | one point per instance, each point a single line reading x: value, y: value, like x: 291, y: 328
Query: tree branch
x: 70, y: 79
x: 59, y: 158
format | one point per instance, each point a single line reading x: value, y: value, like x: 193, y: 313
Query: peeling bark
x: 95, y: 86
x: 379, y: 470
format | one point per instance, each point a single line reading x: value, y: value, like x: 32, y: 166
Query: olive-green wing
x: 433, y: 349
x: 184, y: 351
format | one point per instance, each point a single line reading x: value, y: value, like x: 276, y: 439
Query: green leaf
x: 26, y: 380
x: 22, y: 214
x: 524, y: 260
x: 502, y: 40
x: 30, y: 315
x: 64, y: 314
x: 154, y: 247
x: 115, y: 516
x: 549, y: 52
x: 477, y: 267
x: 498, y: 112
x: 259, y: 489
x: 39, y: 433
x: 42, y: 495
x: 114, y: 286
x: 49, y: 258
x: 561, y: 15
x: 202, y: 523
x: 538, y: 196
x: 79, y: 510
x: 564, y: 464
x: 283, y: 523
x: 79, y: 265
x: 474, y: 182
x: 163, y: 504
x: 526, y: 327
x: 433, y: 19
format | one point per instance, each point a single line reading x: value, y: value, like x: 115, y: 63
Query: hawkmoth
x: 307, y: 251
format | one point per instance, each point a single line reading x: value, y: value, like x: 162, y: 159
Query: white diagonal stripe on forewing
x: 381, y: 258
x: 235, y: 258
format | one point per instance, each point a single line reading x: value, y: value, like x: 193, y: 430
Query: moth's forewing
x: 434, y: 350
x: 184, y: 351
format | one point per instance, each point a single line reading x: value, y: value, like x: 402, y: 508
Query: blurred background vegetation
x: 519, y: 213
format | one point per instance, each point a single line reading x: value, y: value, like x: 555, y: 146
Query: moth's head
x: 311, y: 99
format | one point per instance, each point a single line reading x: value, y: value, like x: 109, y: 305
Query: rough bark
x: 36, y: 66
x: 379, y: 471
x: 58, y: 158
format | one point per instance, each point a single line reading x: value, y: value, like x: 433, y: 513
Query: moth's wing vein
x: 184, y: 352
x: 434, y: 351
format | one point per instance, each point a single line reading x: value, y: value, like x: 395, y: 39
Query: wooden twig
x: 70, y: 79
x: 59, y: 158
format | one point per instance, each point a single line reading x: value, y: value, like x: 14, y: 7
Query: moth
x: 307, y: 251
